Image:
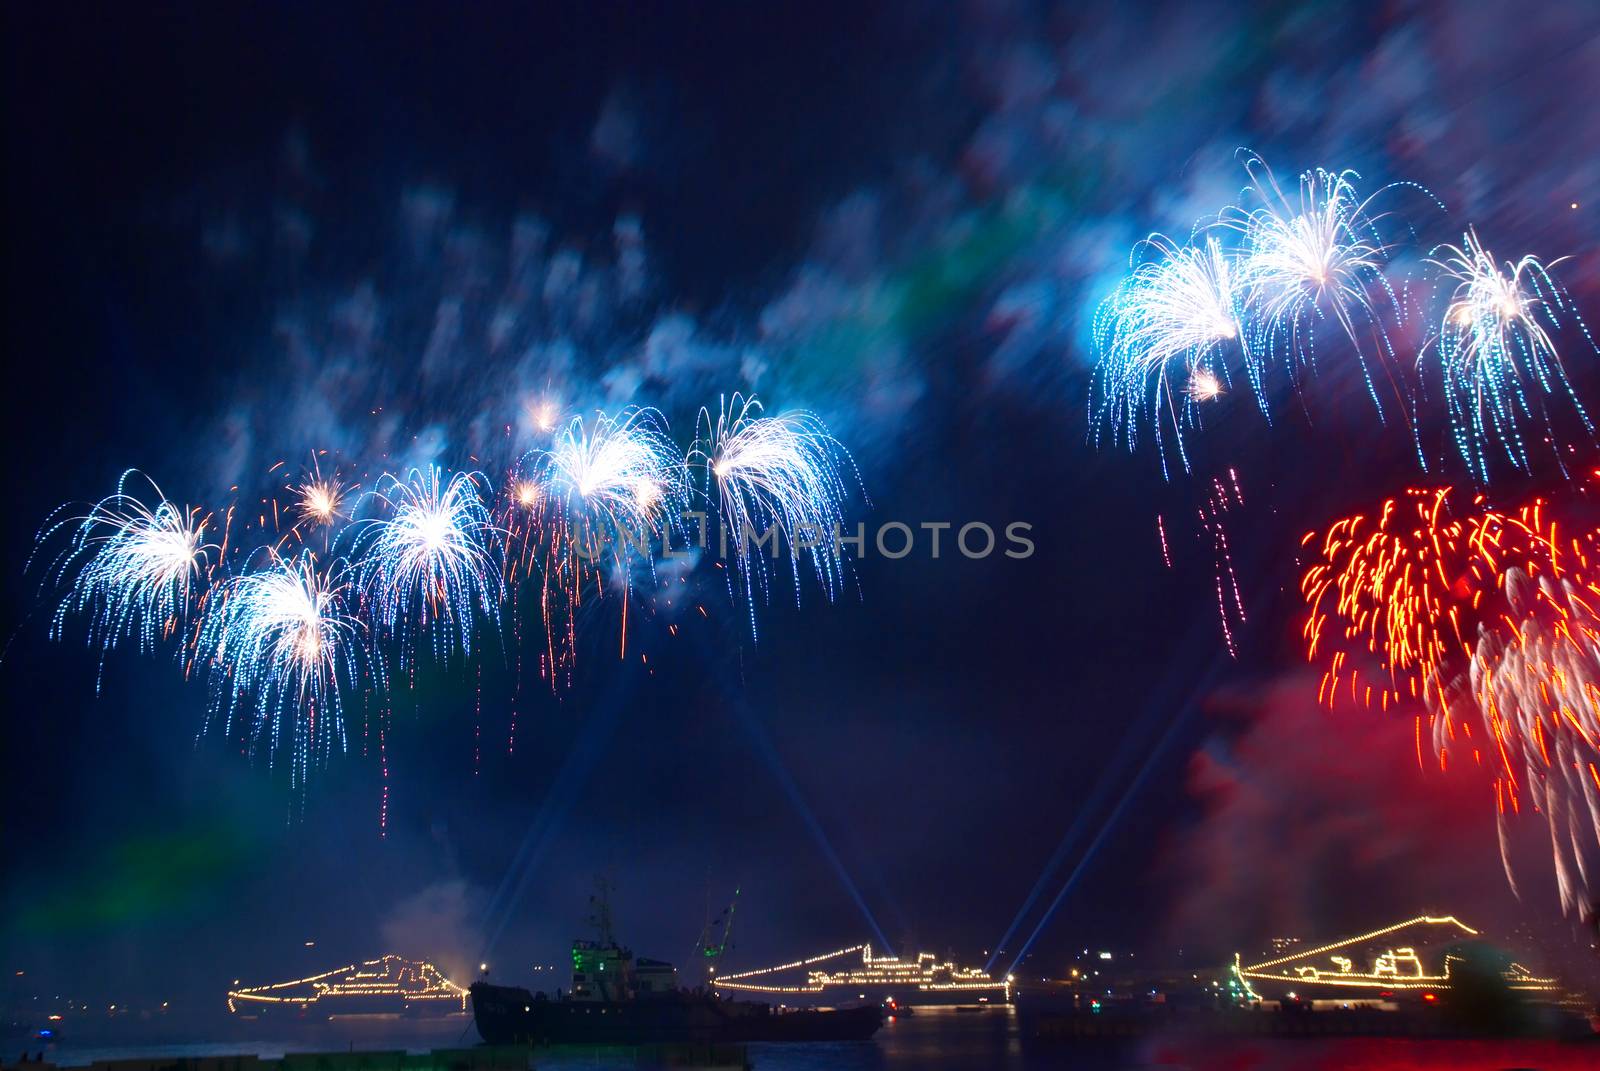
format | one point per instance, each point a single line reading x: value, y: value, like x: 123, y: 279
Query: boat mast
x: 704, y: 950
x: 600, y: 916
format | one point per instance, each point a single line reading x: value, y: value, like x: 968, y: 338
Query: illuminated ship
x: 618, y: 1000
x: 923, y: 980
x: 1410, y: 958
x: 387, y: 986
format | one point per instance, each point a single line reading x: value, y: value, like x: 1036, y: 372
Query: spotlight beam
x: 1157, y: 753
x: 1133, y: 744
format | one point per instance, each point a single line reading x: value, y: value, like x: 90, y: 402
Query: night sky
x: 233, y: 236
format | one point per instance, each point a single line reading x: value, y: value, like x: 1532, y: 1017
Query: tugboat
x: 617, y: 1000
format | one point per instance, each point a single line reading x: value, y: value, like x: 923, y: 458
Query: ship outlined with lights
x: 1406, y: 957
x: 389, y: 986
x: 920, y: 980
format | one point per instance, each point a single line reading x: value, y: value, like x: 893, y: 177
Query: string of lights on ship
x: 922, y: 973
x: 1386, y: 969
x: 386, y: 976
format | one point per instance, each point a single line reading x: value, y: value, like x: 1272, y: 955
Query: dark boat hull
x: 509, y: 1015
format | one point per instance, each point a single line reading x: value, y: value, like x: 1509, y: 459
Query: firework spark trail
x: 1494, y: 348
x: 1224, y: 497
x: 1182, y: 304
x: 430, y: 566
x: 1401, y: 587
x: 280, y: 638
x: 1490, y: 611
x: 517, y: 516
x: 134, y: 569
x: 782, y: 474
x: 1537, y: 676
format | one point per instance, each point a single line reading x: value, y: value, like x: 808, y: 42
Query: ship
x: 860, y: 973
x: 616, y: 999
x: 1404, y: 961
x: 389, y: 986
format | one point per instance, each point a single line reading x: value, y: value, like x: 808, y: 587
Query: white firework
x: 1312, y: 258
x: 779, y: 479
x: 609, y: 481
x: 135, y: 569
x: 429, y: 566
x: 1495, y: 349
x: 280, y: 639
x: 1166, y: 324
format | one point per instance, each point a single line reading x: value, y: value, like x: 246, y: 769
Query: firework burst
x: 544, y: 414
x: 609, y: 477
x: 1400, y: 590
x: 281, y: 639
x: 781, y: 475
x: 525, y: 494
x: 1203, y: 386
x: 1382, y: 587
x: 1167, y: 321
x: 597, y: 499
x: 135, y: 569
x: 428, y: 566
x: 320, y: 501
x: 1495, y: 349
x: 1317, y: 256
x: 1486, y: 613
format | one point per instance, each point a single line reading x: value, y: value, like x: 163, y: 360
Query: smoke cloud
x: 441, y: 924
x: 1315, y: 823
